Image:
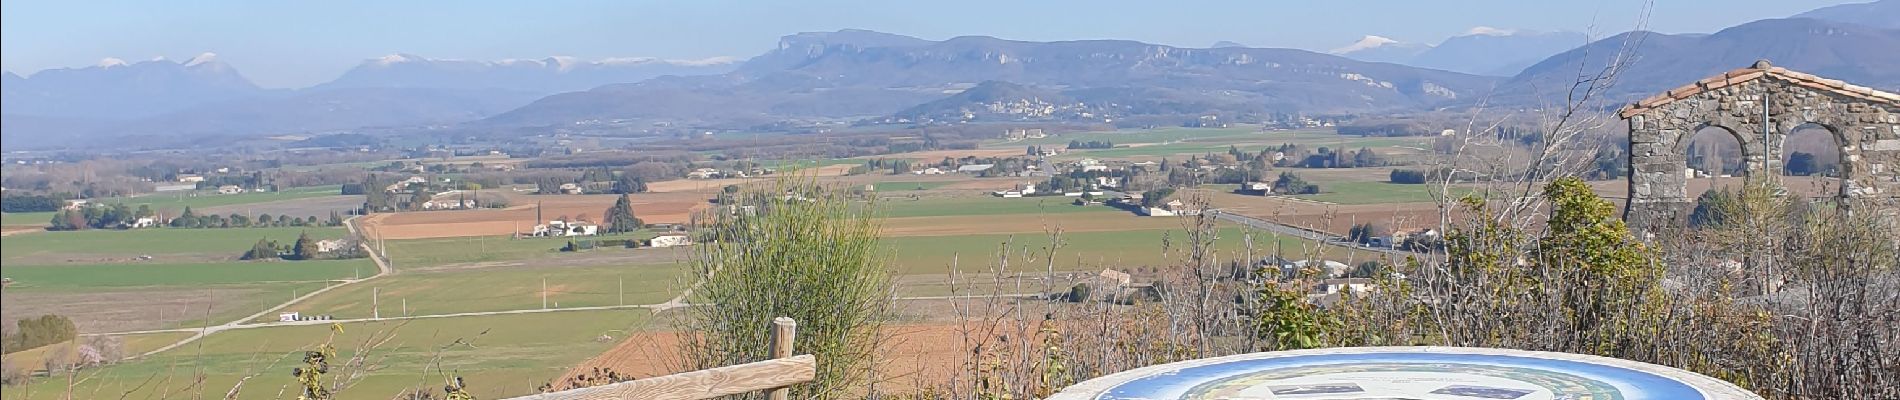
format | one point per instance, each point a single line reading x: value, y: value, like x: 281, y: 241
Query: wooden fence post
x: 783, y: 331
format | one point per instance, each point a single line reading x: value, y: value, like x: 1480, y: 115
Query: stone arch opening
x: 1813, y: 160
x: 1713, y: 159
x: 1712, y: 152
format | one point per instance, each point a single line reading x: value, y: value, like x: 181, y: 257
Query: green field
x: 151, y: 241
x: 1375, y: 193
x: 204, y: 198
x: 882, y: 187
x: 365, y: 165
x: 419, y: 253
x: 1160, y: 135
x: 500, y: 289
x: 1079, y: 251
x: 962, y: 206
x: 153, y: 274
x: 783, y: 166
x: 498, y: 357
x: 30, y: 219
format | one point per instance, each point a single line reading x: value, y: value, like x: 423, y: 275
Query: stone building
x: 1863, y: 121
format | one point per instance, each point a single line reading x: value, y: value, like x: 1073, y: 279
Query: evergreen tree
x: 374, y: 198
x: 185, y: 219
x: 62, y: 221
x: 335, y: 219
x: 264, y: 249
x: 620, y: 218
x: 305, y: 248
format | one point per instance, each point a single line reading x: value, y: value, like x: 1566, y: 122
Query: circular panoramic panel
x: 1396, y: 373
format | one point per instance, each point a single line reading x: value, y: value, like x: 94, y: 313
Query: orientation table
x: 1399, y: 373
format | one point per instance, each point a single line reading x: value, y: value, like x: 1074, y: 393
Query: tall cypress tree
x: 305, y: 248
x: 620, y: 217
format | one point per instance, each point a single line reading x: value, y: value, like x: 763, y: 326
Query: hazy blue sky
x: 300, y: 43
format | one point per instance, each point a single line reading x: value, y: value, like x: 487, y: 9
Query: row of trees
x: 41, y: 331
x: 190, y: 219
x: 890, y: 166
x: 23, y: 203
x: 1092, y: 144
x: 1415, y: 177
x: 100, y: 217
x: 304, y: 248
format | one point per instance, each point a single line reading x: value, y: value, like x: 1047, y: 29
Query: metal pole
x: 1765, y: 129
x: 375, y: 303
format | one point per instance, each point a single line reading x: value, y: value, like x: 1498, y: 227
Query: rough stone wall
x: 1868, y: 132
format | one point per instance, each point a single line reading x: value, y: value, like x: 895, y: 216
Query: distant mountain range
x: 203, y: 96
x: 1855, y: 53
x: 1880, y: 14
x: 1480, y: 51
x: 545, y: 76
x: 116, y: 89
x: 861, y: 73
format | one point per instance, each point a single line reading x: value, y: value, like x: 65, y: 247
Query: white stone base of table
x: 1399, y: 373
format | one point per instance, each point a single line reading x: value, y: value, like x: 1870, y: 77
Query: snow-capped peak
x: 1368, y: 42
x: 518, y: 61
x: 1489, y: 31
x: 206, y: 57
x: 110, y: 62
x: 627, y: 60
x: 393, y: 59
x: 562, y: 62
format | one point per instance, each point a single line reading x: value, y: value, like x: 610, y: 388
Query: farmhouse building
x: 703, y: 173
x: 663, y: 241
x: 560, y: 228
x: 975, y: 168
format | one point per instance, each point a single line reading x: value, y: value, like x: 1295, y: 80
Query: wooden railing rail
x: 776, y: 374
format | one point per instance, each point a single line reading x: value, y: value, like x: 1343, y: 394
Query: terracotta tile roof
x: 1760, y: 70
